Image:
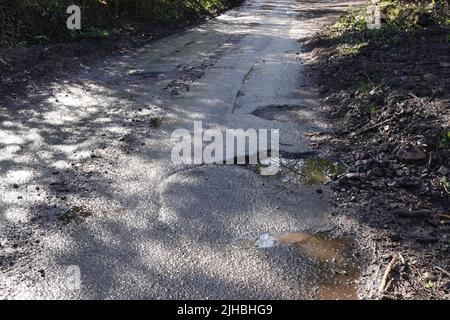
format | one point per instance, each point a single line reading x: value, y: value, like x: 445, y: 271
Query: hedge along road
x: 88, y: 184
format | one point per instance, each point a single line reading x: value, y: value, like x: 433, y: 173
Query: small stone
x: 385, y: 147
x: 352, y: 176
x: 377, y: 172
x: 407, y: 182
x: 429, y: 77
x: 399, y: 172
x: 411, y: 154
x: 429, y: 276
x: 443, y: 170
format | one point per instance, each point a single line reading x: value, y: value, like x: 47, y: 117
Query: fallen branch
x: 443, y: 271
x: 386, y: 274
x: 414, y: 96
x: 372, y: 127
x: 445, y: 216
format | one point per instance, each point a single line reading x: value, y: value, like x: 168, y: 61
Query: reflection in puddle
x: 334, y: 266
x: 305, y: 171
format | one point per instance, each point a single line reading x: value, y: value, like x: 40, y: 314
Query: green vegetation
x: 352, y: 20
x: 400, y: 19
x: 397, y: 15
x: 26, y: 22
x: 447, y: 38
x: 446, y: 184
x: 444, y: 140
x: 364, y: 88
x: 372, y: 109
x: 350, y: 48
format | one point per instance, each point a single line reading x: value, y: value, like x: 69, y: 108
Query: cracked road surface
x: 87, y: 178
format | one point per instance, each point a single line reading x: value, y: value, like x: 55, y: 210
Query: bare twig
x: 386, y: 274
x: 373, y: 127
x: 442, y: 270
x: 429, y: 160
x: 368, y: 78
x: 445, y: 216
x: 414, y: 96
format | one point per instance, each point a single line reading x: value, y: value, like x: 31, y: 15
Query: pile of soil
x: 389, y: 99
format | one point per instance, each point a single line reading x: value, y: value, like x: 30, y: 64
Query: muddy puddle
x: 286, y: 113
x: 333, y: 261
x: 311, y: 171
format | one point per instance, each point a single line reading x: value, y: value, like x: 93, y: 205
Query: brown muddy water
x: 311, y: 171
x: 336, y: 267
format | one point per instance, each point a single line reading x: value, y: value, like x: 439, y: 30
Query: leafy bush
x: 35, y: 21
x: 397, y: 15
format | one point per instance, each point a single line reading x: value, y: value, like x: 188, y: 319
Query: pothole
x: 283, y: 113
x: 316, y: 246
x: 310, y: 171
x: 333, y: 262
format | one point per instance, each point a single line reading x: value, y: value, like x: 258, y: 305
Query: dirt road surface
x: 87, y: 178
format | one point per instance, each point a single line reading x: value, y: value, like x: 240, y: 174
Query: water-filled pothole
x: 283, y: 113
x: 333, y: 263
x: 310, y: 171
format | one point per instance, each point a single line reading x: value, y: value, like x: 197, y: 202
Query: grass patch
x: 352, y: 48
x: 373, y: 109
x: 364, y: 88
